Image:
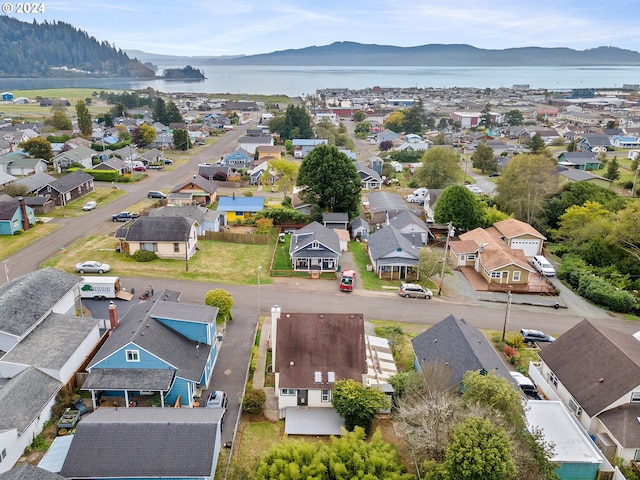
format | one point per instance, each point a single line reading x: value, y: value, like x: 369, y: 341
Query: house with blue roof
x: 161, y: 347
x: 620, y: 141
x: 239, y: 208
x: 239, y: 158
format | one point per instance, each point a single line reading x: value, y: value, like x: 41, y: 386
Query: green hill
x: 57, y: 49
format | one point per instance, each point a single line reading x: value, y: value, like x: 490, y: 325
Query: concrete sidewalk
x: 271, y: 403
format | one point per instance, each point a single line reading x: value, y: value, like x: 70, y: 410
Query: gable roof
x: 157, y: 229
x: 512, y: 227
x: 36, y: 181
x: 389, y: 242
x: 143, y: 327
x: 23, y: 397
x: 26, y: 471
x: 200, y: 182
x: 21, y: 309
x: 589, y: 352
x: 71, y: 180
x: 327, y: 342
x: 194, y: 212
x: 8, y: 209
x: 580, y: 175
x: 126, y: 443
x: 240, y: 204
x: 305, y: 236
x: 381, y: 201
x: 495, y: 253
x: 460, y: 346
x: 405, y: 217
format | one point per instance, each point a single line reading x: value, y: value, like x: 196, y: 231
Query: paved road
x: 98, y: 221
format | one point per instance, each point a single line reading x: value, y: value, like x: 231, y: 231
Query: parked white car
x: 90, y: 206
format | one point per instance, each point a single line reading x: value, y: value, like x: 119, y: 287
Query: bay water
x: 305, y: 80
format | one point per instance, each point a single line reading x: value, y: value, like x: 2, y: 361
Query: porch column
x: 126, y: 398
x: 161, y: 399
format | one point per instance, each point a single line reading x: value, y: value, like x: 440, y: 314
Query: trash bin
x: 133, y: 291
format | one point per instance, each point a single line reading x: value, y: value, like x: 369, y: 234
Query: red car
x: 347, y: 281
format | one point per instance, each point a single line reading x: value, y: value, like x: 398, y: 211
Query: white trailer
x: 101, y: 288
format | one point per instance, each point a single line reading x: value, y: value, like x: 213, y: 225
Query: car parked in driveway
x: 526, y: 385
x: 218, y: 399
x: 90, y: 206
x: 531, y: 337
x: 124, y: 216
x: 92, y: 266
x: 413, y: 290
x: 156, y: 194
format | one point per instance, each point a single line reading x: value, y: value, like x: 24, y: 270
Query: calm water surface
x: 300, y: 81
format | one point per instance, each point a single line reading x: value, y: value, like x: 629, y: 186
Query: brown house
x: 199, y: 189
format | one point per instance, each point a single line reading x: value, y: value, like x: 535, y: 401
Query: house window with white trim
x: 636, y: 457
x: 133, y: 355
x: 287, y: 392
x: 516, y: 276
x: 325, y: 396
x: 553, y: 379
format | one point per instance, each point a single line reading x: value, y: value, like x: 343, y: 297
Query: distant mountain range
x: 357, y: 54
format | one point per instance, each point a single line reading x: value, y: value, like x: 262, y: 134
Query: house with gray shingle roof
x: 177, y: 443
x: 45, y: 344
x: 392, y: 255
x: 68, y: 188
x: 381, y: 204
x: 82, y: 155
x: 314, y: 248
x: 161, y: 346
x: 459, y: 347
x: 579, y: 160
x: 574, y: 175
x: 166, y: 236
x: 35, y: 182
x: 20, y: 164
x: 411, y: 226
x: 206, y: 220
x: 26, y: 471
x: 371, y: 180
x: 595, y: 372
x: 203, y: 191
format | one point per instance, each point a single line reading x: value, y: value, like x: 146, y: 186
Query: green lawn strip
x: 101, y: 195
x: 256, y: 439
x: 10, y: 244
x: 368, y: 280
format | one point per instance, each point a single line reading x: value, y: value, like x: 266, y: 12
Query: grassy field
x: 235, y: 264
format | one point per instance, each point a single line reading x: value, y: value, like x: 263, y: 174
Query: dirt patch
x: 241, y: 229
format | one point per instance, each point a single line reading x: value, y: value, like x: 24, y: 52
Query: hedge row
x: 592, y: 287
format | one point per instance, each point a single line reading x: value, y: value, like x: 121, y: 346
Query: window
x: 287, y: 392
x: 553, y: 379
x: 471, y: 256
x: 636, y: 457
x: 133, y: 356
x: 516, y: 276
x: 315, y: 245
x: 176, y: 247
x: 574, y: 407
x: 635, y: 397
x: 325, y: 396
x: 148, y: 246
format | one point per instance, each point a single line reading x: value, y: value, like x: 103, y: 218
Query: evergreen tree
x: 160, y: 111
x: 61, y: 121
x: 84, y: 118
x: 415, y: 118
x: 173, y: 114
x: 181, y: 139
x: 483, y: 158
x: 613, y: 170
x: 297, y: 123
x: 536, y: 144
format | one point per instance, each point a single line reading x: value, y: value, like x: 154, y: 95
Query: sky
x: 247, y: 27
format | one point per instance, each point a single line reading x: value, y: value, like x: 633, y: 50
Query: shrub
x: 144, y: 256
x: 509, y: 352
x: 253, y: 401
x: 264, y: 225
x: 18, y: 232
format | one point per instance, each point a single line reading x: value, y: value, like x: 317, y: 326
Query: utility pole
x: 635, y: 179
x: 506, y: 315
x: 444, y: 257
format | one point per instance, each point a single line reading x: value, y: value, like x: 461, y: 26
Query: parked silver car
x: 413, y: 290
x: 91, y: 266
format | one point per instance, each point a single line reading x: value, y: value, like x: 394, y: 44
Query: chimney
x: 113, y: 315
x: 25, y: 216
x: 275, y: 315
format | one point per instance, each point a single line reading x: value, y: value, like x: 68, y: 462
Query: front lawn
x: 218, y: 262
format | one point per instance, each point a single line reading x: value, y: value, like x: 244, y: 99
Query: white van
x: 543, y: 266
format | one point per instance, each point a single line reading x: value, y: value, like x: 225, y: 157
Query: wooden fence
x: 249, y: 238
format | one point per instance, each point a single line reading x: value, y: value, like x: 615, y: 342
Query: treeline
x: 186, y: 73
x: 57, y: 49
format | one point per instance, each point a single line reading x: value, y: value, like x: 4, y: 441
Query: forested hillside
x: 58, y: 49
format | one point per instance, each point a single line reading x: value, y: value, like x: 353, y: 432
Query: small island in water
x: 186, y: 73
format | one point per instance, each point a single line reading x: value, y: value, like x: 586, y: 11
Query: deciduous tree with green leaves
x: 144, y: 135
x: 222, y: 299
x: 513, y: 117
x: 458, y: 206
x: 181, y: 140
x: 359, y: 116
x: 297, y: 123
x: 285, y: 171
x: 440, y: 168
x: 61, y: 120
x: 524, y: 184
x: 37, y: 147
x: 580, y: 224
x: 395, y: 121
x: 357, y: 404
x: 330, y: 181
